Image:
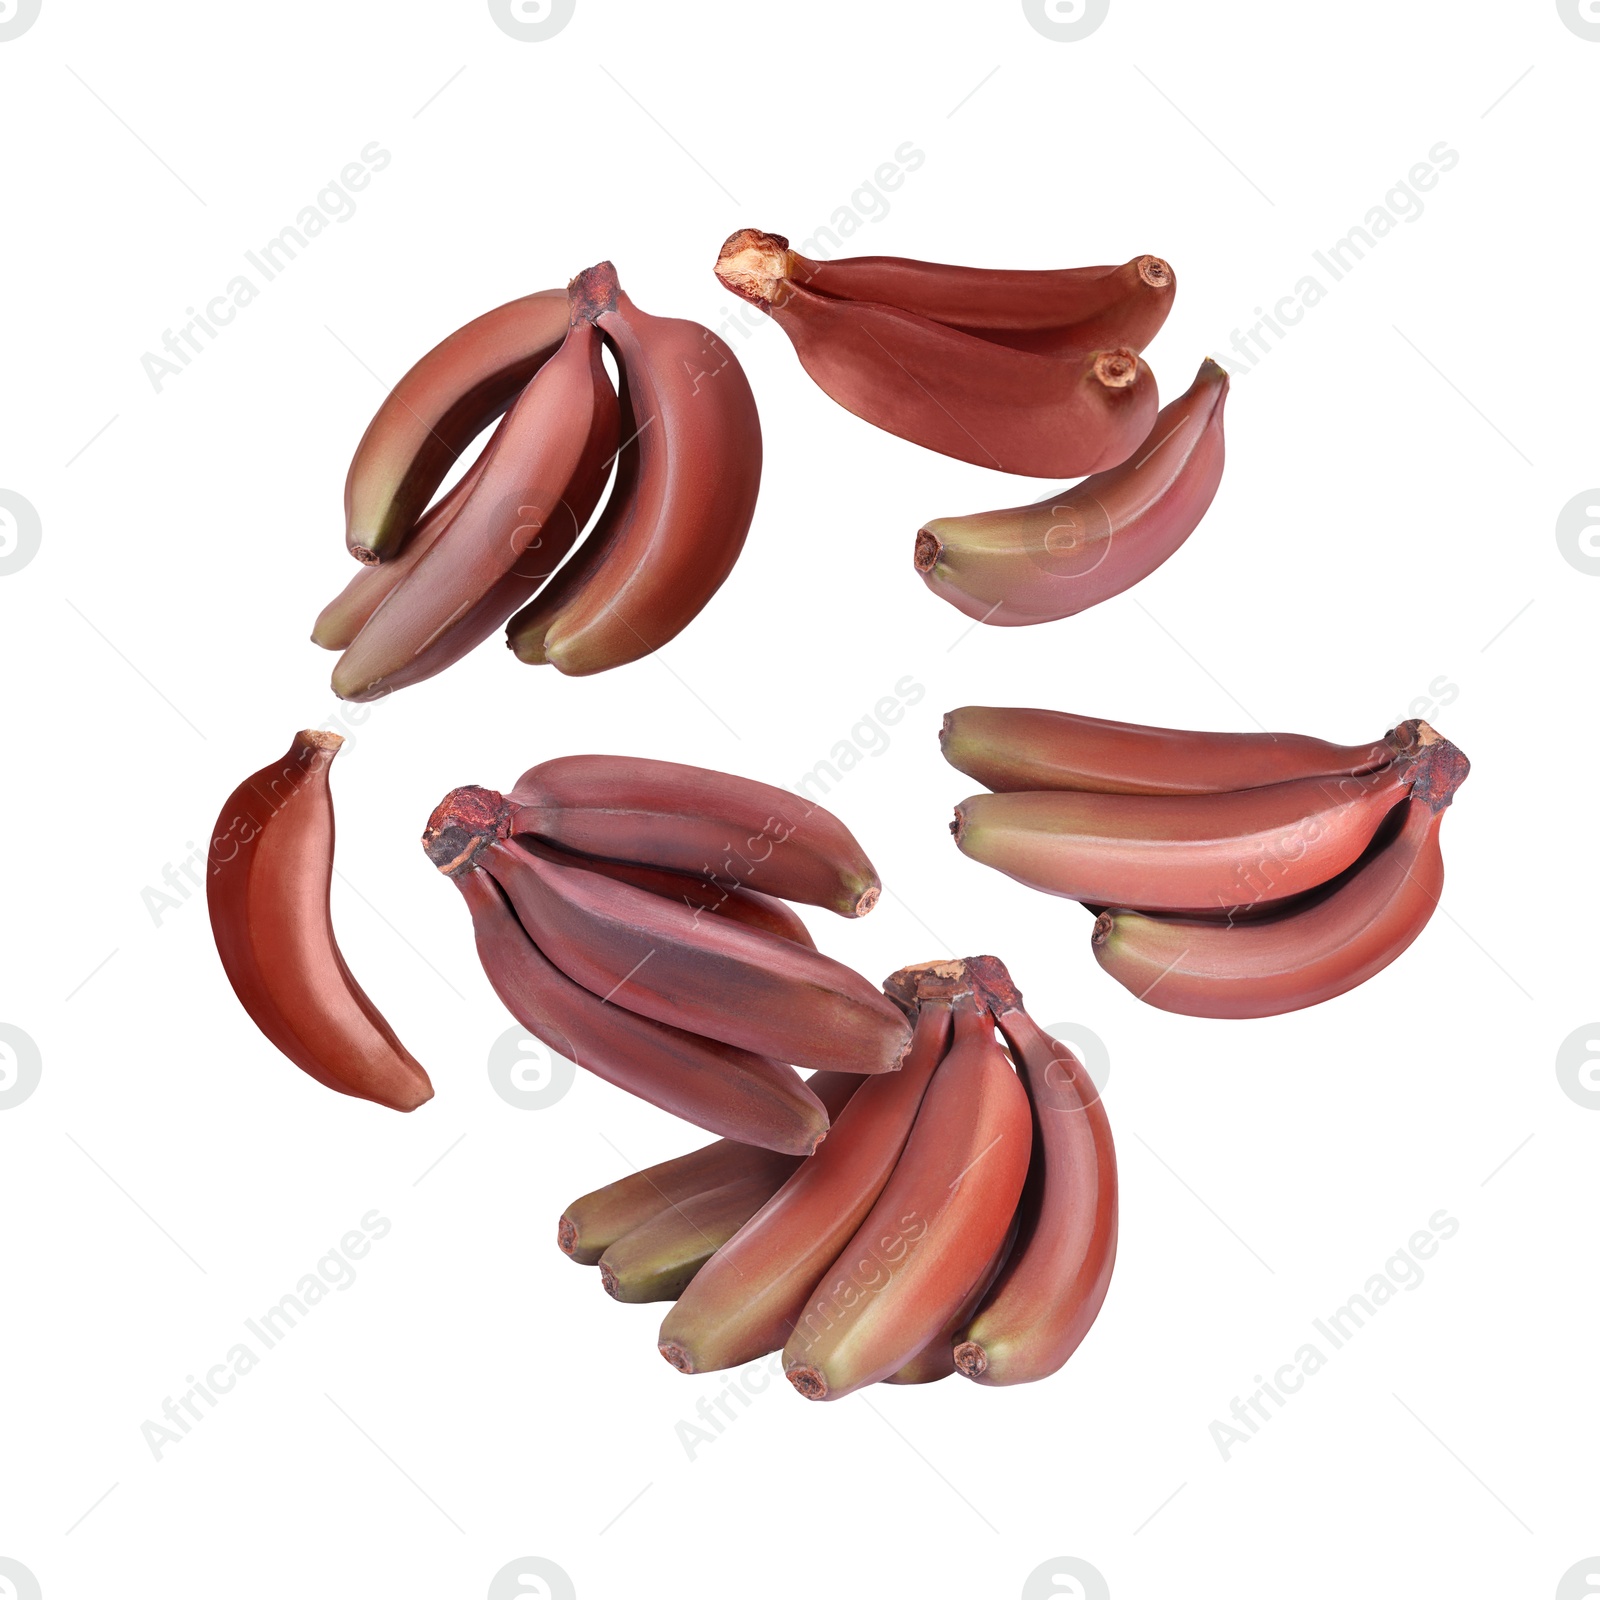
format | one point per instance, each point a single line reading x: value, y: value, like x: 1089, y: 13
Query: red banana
x: 745, y: 1301
x: 1264, y: 966
x: 732, y: 830
x: 720, y: 1088
x: 685, y: 494
x: 269, y: 868
x: 749, y: 906
x: 1009, y: 749
x: 1056, y: 557
x: 1160, y: 852
x: 950, y: 391
x: 436, y: 410
x: 658, y: 958
x: 543, y: 473
x: 936, y: 1359
x: 1051, y: 1288
x: 935, y: 1227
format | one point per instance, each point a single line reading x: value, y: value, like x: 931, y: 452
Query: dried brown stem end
x: 608, y: 1281
x: 809, y: 1382
x: 755, y: 265
x: 593, y: 292
x: 926, y: 557
x: 1441, y: 770
x: 994, y: 984
x: 1156, y: 272
x: 970, y: 1359
x: 1103, y: 924
x: 675, y: 1355
x: 463, y: 825
x: 1116, y: 369
x: 941, y: 981
x: 566, y: 1236
x: 869, y: 898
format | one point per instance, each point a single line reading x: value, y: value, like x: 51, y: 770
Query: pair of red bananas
x: 631, y: 914
x: 1232, y: 874
x: 686, y: 443
x: 1028, y: 372
x: 962, y: 1215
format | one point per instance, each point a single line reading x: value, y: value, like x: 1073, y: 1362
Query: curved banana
x: 731, y: 829
x: 934, y: 1229
x: 1265, y: 966
x: 543, y: 473
x: 269, y: 868
x: 1071, y: 310
x: 1009, y: 749
x: 436, y: 410
x: 1057, y: 557
x: 1048, y: 1294
x: 686, y: 492
x: 1169, y: 852
x: 958, y: 394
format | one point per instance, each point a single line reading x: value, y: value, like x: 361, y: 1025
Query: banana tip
x: 869, y: 898
x: 1156, y: 272
x: 676, y: 1356
x: 1103, y: 926
x: 970, y: 1360
x: 809, y: 1382
x: 1116, y: 369
x: 926, y: 556
x: 608, y: 1281
x: 566, y: 1236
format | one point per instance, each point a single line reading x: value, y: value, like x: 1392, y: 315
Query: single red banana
x: 1066, y: 311
x: 678, y: 520
x: 1052, y: 1286
x: 955, y: 393
x: 725, y: 1090
x: 1161, y: 852
x: 1268, y: 965
x: 749, y: 906
x: 544, y: 471
x: 659, y: 1258
x: 732, y: 830
x: 934, y: 1229
x: 436, y: 410
x: 351, y: 609
x: 269, y: 868
x: 1057, y: 557
x: 595, y: 1221
x: 746, y: 1300
x: 1008, y: 749
x: 729, y: 982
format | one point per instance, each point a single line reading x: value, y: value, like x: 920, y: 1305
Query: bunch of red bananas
x: 1232, y: 874
x: 1028, y: 372
x: 631, y: 914
x: 504, y: 541
x: 960, y: 1217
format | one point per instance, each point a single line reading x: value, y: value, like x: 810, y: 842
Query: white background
x: 1383, y: 544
